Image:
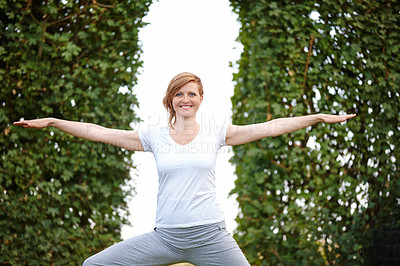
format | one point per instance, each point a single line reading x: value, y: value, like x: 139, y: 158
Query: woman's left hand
x: 335, y: 118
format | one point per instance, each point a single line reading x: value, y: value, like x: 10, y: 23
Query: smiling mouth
x: 185, y: 106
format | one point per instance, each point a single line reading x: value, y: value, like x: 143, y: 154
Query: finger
x: 20, y: 123
x: 350, y: 116
x: 345, y: 117
x: 23, y: 123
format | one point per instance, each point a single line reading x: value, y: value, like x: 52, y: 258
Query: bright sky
x: 197, y: 36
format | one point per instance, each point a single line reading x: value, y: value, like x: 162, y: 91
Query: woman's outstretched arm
x: 127, y: 139
x: 237, y: 135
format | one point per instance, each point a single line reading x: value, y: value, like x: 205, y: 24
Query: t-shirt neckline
x: 180, y: 145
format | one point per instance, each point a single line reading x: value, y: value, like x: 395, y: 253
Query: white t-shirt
x: 186, y: 194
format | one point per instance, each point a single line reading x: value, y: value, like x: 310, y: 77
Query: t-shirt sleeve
x: 221, y: 134
x: 144, y: 136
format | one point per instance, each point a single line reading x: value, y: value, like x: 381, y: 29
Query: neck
x: 185, y: 124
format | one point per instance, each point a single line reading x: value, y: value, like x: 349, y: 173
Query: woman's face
x: 187, y: 100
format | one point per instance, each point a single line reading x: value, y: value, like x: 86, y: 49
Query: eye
x: 178, y: 94
x: 193, y: 94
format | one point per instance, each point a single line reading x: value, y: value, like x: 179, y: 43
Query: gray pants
x: 208, y: 244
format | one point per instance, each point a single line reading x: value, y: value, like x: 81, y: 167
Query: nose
x: 185, y: 98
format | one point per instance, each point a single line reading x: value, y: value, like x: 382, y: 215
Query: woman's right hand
x: 35, y: 123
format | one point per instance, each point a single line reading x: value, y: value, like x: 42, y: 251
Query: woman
x: 189, y: 222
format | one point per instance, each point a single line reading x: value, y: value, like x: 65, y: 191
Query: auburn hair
x: 174, y: 86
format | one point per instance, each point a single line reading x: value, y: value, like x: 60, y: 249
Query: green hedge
x: 61, y: 197
x: 318, y: 196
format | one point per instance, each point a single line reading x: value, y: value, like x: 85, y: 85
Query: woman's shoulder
x: 151, y: 130
x: 215, y: 126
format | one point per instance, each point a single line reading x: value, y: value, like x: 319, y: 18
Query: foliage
x: 62, y: 197
x: 317, y: 196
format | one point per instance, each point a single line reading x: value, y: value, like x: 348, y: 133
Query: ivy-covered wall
x: 325, y: 194
x: 61, y: 197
